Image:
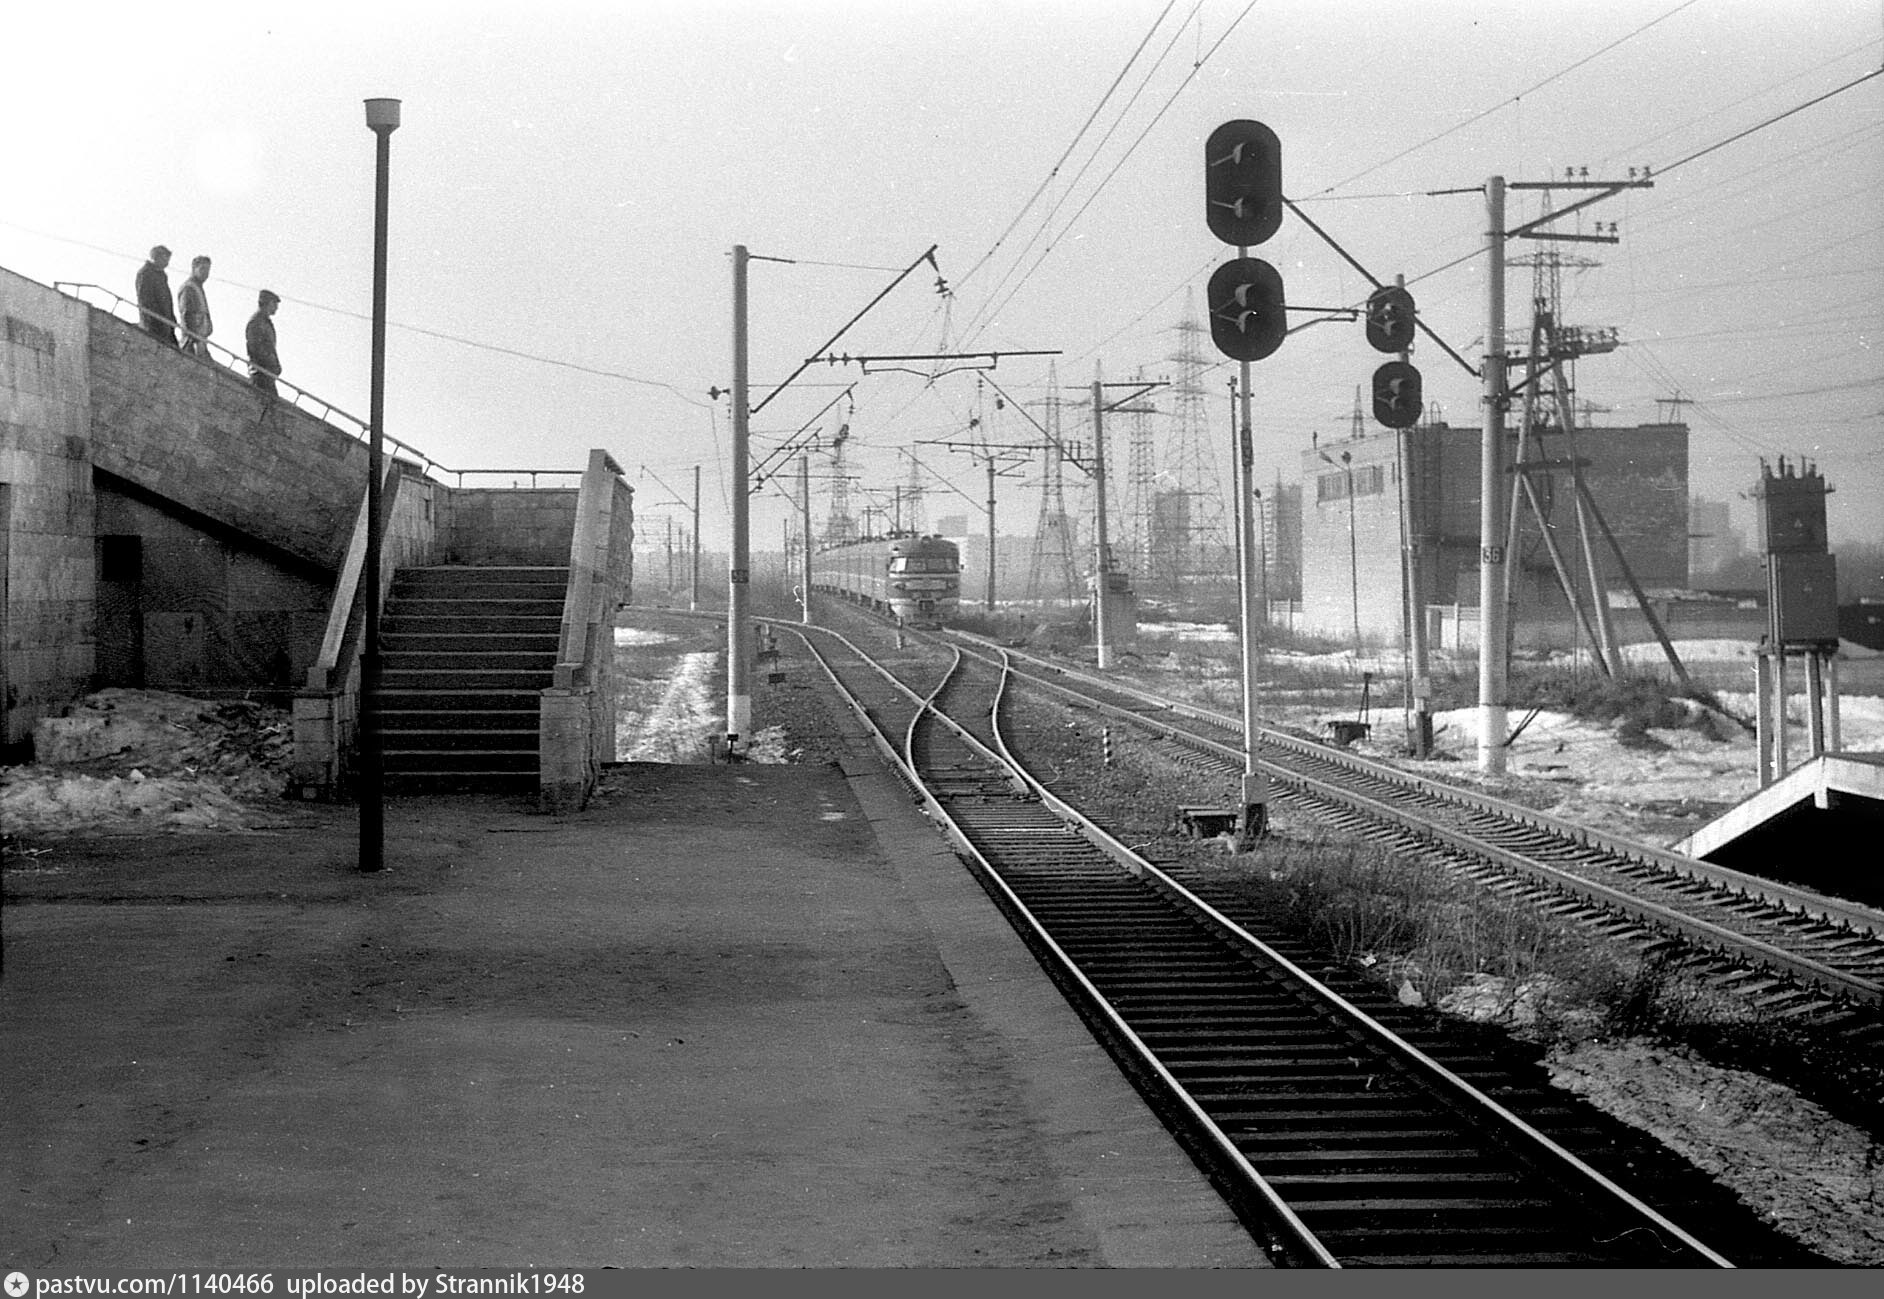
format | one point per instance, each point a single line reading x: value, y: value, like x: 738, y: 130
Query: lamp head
x: 382, y: 114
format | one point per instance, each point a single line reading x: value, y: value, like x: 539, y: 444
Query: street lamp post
x: 382, y: 118
x: 1354, y: 563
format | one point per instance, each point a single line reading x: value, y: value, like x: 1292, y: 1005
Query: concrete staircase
x: 465, y: 655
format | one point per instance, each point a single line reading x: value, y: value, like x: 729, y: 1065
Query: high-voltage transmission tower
x: 1190, y: 525
x: 1053, y: 573
x: 1141, y: 491
x: 840, y: 526
x: 914, y: 518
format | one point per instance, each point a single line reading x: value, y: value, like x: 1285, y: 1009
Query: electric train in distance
x: 915, y: 579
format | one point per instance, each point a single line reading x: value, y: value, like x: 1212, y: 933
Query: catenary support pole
x: 1493, y: 660
x: 1102, y: 568
x: 991, y: 535
x: 738, y: 633
x: 804, y: 523
x: 693, y: 596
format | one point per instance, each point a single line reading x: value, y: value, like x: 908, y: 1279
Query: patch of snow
x: 640, y: 636
x: 1185, y: 631
x: 677, y: 727
x: 124, y: 760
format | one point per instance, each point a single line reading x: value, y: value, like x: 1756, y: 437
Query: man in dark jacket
x: 153, y: 296
x: 264, y: 362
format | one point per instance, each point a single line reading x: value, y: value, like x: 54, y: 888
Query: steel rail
x: 1292, y: 1238
x: 1519, y: 1138
x: 1705, y: 932
x: 1542, y: 1148
x: 1804, y: 901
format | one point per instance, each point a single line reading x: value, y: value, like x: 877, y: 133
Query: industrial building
x: 1354, y: 515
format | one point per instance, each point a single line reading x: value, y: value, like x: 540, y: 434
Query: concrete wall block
x: 566, y: 767
x: 314, y: 771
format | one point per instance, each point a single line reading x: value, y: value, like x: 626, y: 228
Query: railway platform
x: 725, y: 1016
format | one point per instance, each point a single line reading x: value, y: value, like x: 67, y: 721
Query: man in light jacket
x: 193, y: 309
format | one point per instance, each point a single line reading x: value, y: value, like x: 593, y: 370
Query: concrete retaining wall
x: 498, y: 525
x: 48, y: 627
x: 205, y: 438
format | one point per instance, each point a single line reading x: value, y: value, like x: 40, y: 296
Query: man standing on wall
x: 153, y: 296
x: 193, y: 309
x: 264, y: 361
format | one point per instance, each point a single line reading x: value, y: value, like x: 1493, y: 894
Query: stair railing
x: 327, y: 708
x: 327, y: 411
x: 126, y: 311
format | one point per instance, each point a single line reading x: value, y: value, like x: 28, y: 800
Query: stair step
x: 465, y: 656
x: 461, y: 719
x: 441, y: 584
x: 494, y: 678
x: 431, y: 659
x: 466, y: 761
x: 436, y: 700
x: 403, y: 624
x: 421, y: 740
x: 498, y: 642
x: 475, y: 607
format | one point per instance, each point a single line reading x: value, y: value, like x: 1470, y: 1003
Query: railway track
x: 1339, y: 1141
x: 1788, y: 951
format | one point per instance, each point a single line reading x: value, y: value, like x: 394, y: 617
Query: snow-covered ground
x: 1659, y: 792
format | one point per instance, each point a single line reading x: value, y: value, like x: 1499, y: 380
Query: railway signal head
x: 1390, y: 319
x: 1397, y: 399
x: 1247, y: 315
x: 1243, y: 183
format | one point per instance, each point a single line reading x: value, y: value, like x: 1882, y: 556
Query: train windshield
x: 922, y: 564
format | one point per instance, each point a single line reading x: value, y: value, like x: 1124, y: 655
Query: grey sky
x: 569, y: 180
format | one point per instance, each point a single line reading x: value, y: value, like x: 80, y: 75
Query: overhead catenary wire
x: 1129, y: 151
x: 1506, y: 103
x: 1078, y: 135
x: 988, y: 307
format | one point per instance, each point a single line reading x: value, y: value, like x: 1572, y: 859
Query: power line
x: 1077, y: 137
x: 414, y: 329
x: 1132, y: 148
x: 1778, y: 117
x: 1046, y: 220
x: 1478, y: 117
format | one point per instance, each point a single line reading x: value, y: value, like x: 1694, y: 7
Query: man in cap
x: 153, y: 296
x: 264, y: 361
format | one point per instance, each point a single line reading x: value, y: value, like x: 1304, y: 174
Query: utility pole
x: 1102, y: 566
x: 1493, y: 658
x: 693, y: 599
x: 738, y: 576
x: 1494, y: 615
x: 804, y: 512
x: 1102, y: 588
x: 1419, y: 682
x: 995, y: 456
